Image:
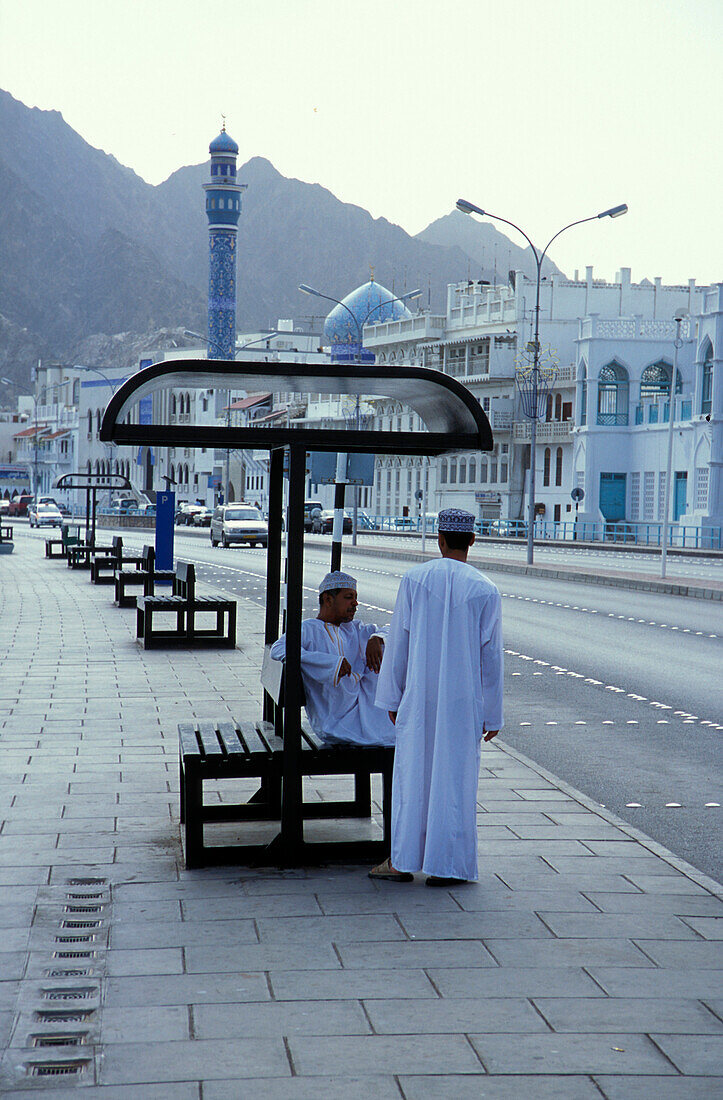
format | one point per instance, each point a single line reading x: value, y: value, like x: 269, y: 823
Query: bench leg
x: 387, y: 806
x: 193, y: 814
x: 363, y: 793
x: 232, y: 626
x: 140, y: 623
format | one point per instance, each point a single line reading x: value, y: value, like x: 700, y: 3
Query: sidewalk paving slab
x: 580, y: 965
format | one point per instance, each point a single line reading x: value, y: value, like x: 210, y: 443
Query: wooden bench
x: 103, y: 569
x: 6, y: 538
x: 62, y: 544
x: 81, y: 555
x: 146, y: 576
x: 237, y: 750
x: 186, y: 605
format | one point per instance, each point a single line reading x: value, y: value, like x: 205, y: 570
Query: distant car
x: 310, y: 507
x: 405, y: 523
x: 121, y: 506
x: 238, y: 523
x: 45, y: 515
x: 19, y: 506
x: 4, y: 506
x: 323, y: 524
x: 64, y: 510
x: 185, y: 514
x: 202, y: 518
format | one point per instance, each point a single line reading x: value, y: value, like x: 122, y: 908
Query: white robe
x: 442, y: 672
x: 339, y: 709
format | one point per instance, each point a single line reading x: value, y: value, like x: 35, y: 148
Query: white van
x: 238, y: 523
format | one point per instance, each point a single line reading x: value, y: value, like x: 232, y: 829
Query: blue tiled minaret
x: 223, y: 206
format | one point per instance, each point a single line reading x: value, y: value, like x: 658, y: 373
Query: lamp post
x: 679, y: 317
x: 341, y: 459
x: 469, y: 208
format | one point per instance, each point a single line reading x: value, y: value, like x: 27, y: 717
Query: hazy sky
x: 542, y: 111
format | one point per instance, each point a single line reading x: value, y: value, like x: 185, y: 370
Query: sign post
x: 165, y: 512
x: 577, y: 495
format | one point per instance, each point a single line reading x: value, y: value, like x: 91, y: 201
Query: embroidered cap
x: 456, y: 519
x: 337, y: 580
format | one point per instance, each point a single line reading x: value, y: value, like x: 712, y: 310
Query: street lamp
x: 679, y: 316
x: 469, y: 208
x: 341, y: 459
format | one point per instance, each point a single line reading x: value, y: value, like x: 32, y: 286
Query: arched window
x: 548, y: 407
x: 453, y: 471
x: 655, y: 381
x: 546, y: 467
x: 612, y: 395
x: 558, y: 406
x: 483, y: 471
x: 443, y: 472
x: 472, y: 474
x: 582, y: 386
x: 706, y: 388
x: 558, y: 466
x: 462, y: 471
x: 98, y: 418
x: 173, y: 404
x: 90, y: 422
x: 172, y: 473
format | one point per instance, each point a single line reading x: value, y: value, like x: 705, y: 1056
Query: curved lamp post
x: 679, y: 317
x: 469, y: 208
x: 341, y: 459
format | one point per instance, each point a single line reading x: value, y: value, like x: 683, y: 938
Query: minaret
x: 223, y: 206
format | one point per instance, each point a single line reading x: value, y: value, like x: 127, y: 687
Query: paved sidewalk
x: 580, y: 966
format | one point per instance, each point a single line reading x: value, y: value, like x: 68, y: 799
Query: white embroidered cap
x: 337, y: 579
x: 456, y: 519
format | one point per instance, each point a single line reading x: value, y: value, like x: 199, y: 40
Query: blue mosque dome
x: 369, y: 303
x: 224, y: 143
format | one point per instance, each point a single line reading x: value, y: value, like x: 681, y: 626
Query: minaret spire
x: 223, y: 207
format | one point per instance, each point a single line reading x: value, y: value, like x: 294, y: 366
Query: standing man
x: 441, y: 682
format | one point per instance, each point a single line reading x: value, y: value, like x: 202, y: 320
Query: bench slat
x: 230, y: 738
x: 187, y: 735
x: 251, y: 737
x: 209, y: 740
x: 268, y: 734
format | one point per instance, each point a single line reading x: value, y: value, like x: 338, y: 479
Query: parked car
x: 238, y: 523
x: 323, y: 524
x: 185, y: 514
x: 202, y: 518
x: 311, y: 506
x: 64, y: 510
x: 44, y: 515
x: 19, y: 506
x: 405, y: 523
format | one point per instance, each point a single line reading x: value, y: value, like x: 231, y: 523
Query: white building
x: 482, y: 340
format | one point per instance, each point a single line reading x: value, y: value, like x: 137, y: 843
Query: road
x: 614, y: 691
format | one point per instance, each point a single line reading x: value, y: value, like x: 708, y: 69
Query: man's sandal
x: 386, y: 871
x: 435, y: 880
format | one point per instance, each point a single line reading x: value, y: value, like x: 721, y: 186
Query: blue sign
x: 145, y: 410
x: 165, y: 512
x: 359, y: 468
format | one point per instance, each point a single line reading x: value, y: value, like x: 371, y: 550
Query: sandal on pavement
x: 434, y: 880
x: 386, y: 871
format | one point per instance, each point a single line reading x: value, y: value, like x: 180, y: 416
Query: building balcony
x: 631, y: 328
x: 548, y: 431
x: 659, y: 412
x: 422, y: 326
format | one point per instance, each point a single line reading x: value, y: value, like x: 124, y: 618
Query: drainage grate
x: 79, y: 972
x: 56, y: 1069
x: 58, y: 1017
x: 75, y: 939
x: 73, y: 954
x: 59, y: 1040
x: 87, y: 881
x: 85, y: 897
x: 83, y: 909
x: 81, y: 924
x: 82, y: 993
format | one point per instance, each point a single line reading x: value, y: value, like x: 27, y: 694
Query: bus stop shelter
x: 91, y: 483
x: 453, y: 420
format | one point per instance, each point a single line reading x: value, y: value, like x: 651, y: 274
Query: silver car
x: 238, y: 523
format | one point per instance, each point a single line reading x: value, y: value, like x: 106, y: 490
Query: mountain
x: 90, y: 250
x: 493, y: 253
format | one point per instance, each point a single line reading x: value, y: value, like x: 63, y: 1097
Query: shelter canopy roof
x: 453, y: 418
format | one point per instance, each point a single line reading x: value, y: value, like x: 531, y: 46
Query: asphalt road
x: 614, y: 691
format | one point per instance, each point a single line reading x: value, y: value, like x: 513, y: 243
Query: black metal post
x: 93, y: 505
x: 338, y: 528
x: 292, y: 829
x: 273, y: 559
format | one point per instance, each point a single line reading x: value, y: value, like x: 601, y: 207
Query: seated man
x: 340, y: 660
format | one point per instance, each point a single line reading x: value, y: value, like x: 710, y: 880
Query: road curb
x: 656, y: 849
